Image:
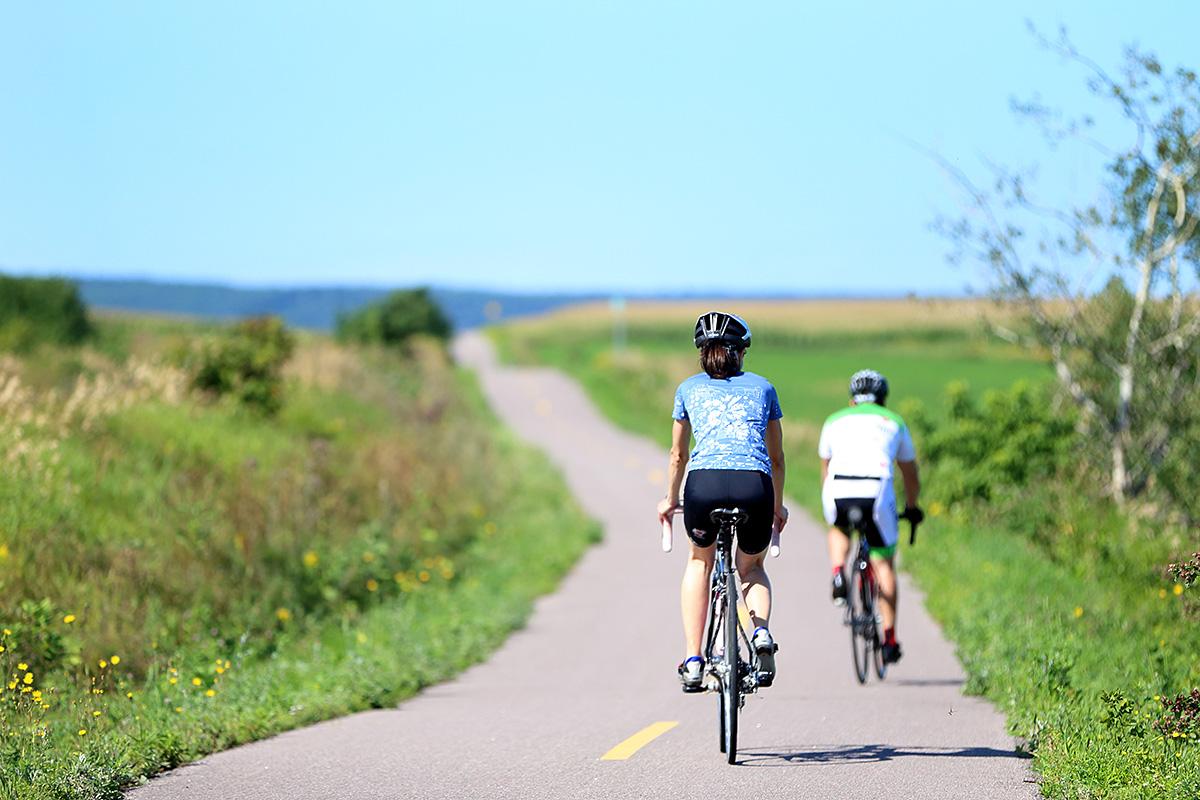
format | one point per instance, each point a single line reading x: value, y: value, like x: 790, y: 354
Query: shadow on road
x: 861, y: 754
x: 927, y: 682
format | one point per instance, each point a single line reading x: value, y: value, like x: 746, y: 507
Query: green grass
x: 337, y: 557
x: 1058, y: 605
x: 810, y: 371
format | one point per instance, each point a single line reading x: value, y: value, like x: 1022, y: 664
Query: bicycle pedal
x: 692, y: 689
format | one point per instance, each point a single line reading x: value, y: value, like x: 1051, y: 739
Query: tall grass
x: 179, y: 574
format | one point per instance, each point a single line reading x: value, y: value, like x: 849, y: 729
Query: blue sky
x: 615, y: 146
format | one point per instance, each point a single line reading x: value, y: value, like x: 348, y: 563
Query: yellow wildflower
x: 361, y: 637
x: 173, y: 681
x: 311, y: 559
x: 103, y: 663
x: 69, y: 618
x: 1, y: 648
x: 227, y: 664
x: 1162, y: 593
x: 220, y: 670
x: 28, y: 678
x: 3, y: 552
x: 95, y: 713
x: 115, y: 660
x: 368, y: 557
x: 22, y: 666
x: 210, y: 693
x: 1078, y: 612
x: 196, y: 682
x: 178, y: 709
x: 129, y: 695
x: 282, y: 614
x: 1178, y: 590
x: 372, y: 585
x: 423, y: 576
x: 7, y: 632
x: 83, y: 731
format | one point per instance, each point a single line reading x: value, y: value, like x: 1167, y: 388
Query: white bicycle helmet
x: 868, y: 386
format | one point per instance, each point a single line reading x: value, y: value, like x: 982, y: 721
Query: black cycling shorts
x: 750, y: 490
x: 866, y: 523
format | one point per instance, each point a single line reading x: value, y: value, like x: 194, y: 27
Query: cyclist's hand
x: 665, y: 509
x: 914, y: 514
x: 781, y: 517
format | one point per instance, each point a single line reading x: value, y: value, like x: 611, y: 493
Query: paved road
x: 596, y: 665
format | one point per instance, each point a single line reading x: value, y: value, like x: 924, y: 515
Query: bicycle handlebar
x: 668, y: 534
x: 914, y: 521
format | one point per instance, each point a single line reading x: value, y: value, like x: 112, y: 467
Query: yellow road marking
x: 639, y: 740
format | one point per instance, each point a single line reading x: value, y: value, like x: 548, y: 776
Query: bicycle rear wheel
x: 860, y: 645
x: 721, y: 716
x: 731, y: 687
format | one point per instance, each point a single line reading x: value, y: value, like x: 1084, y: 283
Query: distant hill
x: 315, y: 308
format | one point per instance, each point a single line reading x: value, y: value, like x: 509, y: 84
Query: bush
x: 40, y: 310
x: 1009, y: 439
x: 395, y: 319
x: 246, y: 363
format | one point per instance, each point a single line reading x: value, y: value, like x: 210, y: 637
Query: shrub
x: 395, y: 319
x: 1009, y: 439
x: 40, y: 310
x: 246, y: 363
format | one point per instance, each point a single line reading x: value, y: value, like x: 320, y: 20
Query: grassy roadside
x: 178, y: 576
x: 1075, y: 642
x: 808, y: 349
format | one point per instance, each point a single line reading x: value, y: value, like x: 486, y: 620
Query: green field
x: 808, y: 354
x: 1059, y: 606
x: 179, y: 573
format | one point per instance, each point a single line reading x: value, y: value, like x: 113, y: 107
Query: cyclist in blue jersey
x: 737, y: 461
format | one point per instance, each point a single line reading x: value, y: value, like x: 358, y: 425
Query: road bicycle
x: 731, y: 666
x: 862, y: 603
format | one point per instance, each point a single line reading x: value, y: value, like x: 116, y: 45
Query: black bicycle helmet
x: 729, y: 329
x: 868, y: 386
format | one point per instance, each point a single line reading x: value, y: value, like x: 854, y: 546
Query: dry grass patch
x: 792, y: 316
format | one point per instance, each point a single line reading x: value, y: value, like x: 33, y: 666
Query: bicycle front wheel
x: 860, y: 620
x: 731, y: 687
x: 876, y: 639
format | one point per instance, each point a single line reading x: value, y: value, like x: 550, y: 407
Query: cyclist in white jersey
x: 857, y: 447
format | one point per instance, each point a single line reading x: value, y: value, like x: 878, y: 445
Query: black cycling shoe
x: 839, y: 589
x: 891, y: 653
x: 691, y: 675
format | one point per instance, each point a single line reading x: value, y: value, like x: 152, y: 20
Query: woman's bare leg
x: 756, y: 587
x: 693, y: 595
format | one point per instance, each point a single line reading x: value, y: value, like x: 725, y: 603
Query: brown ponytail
x: 720, y: 360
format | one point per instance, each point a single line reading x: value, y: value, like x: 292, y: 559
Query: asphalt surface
x: 596, y: 665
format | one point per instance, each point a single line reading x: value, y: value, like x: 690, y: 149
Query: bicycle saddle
x: 726, y: 516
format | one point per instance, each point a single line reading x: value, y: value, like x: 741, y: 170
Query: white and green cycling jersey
x: 861, y: 442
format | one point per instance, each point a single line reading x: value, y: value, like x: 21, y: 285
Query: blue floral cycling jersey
x: 729, y: 417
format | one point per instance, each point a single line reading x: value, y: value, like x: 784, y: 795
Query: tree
x: 37, y: 310
x: 395, y: 319
x: 1126, y: 354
